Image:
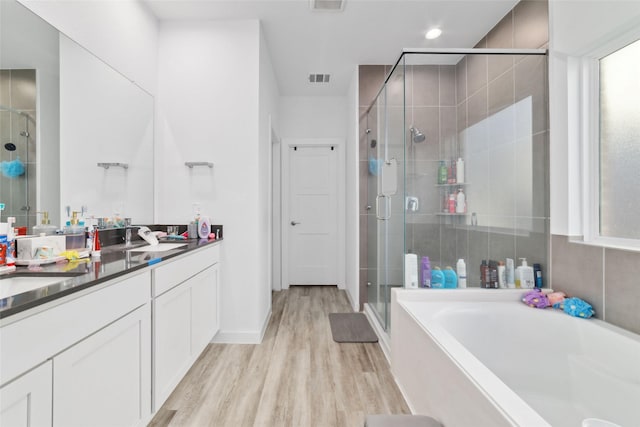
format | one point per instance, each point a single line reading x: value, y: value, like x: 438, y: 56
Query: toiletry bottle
x: 450, y: 179
x: 450, y: 278
x: 437, y: 278
x: 3, y: 243
x: 410, y: 271
x: 45, y: 226
x: 11, y: 242
x: 425, y: 272
x: 537, y: 271
x: 524, y: 276
x: 461, y: 202
x: 460, y: 170
x: 493, y: 274
x: 452, y: 203
x: 510, y: 274
x: 461, y: 268
x: 502, y: 275
x: 484, y: 274
x: 442, y: 173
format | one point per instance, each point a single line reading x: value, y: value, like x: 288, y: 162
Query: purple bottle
x: 425, y: 272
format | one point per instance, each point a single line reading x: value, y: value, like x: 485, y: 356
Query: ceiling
x: 302, y: 41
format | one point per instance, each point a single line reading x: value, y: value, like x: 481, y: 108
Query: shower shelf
x: 190, y: 165
x: 116, y: 164
x: 451, y: 185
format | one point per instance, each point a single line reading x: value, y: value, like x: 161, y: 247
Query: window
x: 619, y: 143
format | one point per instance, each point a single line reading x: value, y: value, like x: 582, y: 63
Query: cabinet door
x: 204, y: 316
x: 27, y: 400
x: 172, y: 340
x: 104, y: 380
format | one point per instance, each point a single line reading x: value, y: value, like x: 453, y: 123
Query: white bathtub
x: 479, y: 357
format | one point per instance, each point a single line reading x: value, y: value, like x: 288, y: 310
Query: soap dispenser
x: 524, y: 276
x: 45, y: 226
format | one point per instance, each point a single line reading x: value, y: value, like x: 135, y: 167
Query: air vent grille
x: 319, y: 78
x: 327, y: 5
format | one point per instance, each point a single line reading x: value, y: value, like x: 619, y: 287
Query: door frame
x: 286, y: 144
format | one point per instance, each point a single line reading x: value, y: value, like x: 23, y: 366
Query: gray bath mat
x: 351, y: 327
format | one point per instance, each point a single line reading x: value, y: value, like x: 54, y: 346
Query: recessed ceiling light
x: 434, y: 33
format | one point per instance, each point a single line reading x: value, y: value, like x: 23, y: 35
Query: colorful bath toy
x: 536, y: 299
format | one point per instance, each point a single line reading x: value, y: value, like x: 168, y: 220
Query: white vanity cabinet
x: 26, y: 401
x: 105, y: 380
x: 92, y: 358
x: 186, y: 316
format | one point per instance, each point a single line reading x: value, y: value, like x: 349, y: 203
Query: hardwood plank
x: 298, y: 376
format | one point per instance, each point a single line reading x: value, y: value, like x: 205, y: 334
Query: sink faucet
x: 127, y: 231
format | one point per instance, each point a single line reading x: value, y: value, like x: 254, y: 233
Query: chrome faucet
x: 127, y: 231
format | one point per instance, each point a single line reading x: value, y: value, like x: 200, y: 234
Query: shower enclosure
x: 483, y: 111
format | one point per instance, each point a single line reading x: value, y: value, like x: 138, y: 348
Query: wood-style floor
x: 298, y: 376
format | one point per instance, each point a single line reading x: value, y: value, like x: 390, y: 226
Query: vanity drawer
x: 171, y: 274
x: 32, y: 340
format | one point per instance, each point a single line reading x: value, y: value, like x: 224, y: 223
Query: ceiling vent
x: 327, y: 5
x: 319, y: 78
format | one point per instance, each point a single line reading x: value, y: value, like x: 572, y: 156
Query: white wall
x: 313, y: 116
x: 352, y: 225
x: 122, y: 33
x: 268, y: 124
x: 576, y: 28
x: 207, y: 109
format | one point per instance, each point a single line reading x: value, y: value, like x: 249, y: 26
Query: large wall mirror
x: 63, y: 111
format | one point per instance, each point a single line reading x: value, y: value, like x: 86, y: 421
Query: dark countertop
x: 75, y: 276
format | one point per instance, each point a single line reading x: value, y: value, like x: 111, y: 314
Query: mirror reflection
x: 62, y: 111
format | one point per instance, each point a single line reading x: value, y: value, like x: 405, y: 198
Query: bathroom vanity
x: 107, y: 346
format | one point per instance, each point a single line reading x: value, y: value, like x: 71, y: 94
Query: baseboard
x: 383, y: 338
x: 242, y: 337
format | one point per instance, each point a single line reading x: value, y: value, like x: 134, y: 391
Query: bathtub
x: 479, y: 357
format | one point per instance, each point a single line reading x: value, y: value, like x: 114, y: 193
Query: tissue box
x: 27, y: 246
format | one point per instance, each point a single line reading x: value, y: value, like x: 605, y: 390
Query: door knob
x: 295, y: 223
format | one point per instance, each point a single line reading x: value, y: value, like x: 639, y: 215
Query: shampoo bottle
x: 460, y: 170
x: 537, y: 271
x: 502, y: 275
x: 510, y: 274
x: 425, y: 272
x: 437, y: 278
x: 442, y: 173
x: 450, y: 278
x: 524, y: 275
x: 410, y: 271
x: 461, y: 202
x: 461, y: 268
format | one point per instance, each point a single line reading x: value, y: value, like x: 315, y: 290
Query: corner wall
x: 208, y: 109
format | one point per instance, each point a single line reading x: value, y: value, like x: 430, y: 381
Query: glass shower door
x: 386, y: 167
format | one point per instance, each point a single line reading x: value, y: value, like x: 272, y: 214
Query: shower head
x: 417, y: 135
x: 10, y: 146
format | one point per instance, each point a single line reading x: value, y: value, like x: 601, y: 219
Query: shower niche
x: 479, y: 113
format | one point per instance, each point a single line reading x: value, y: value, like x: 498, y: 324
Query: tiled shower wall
x: 443, y: 100
x: 18, y: 91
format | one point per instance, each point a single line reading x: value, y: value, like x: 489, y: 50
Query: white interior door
x: 313, y: 215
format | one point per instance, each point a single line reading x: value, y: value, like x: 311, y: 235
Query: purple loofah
x: 536, y: 299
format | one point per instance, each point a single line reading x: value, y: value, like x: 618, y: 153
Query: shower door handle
x: 387, y: 203
x: 294, y: 223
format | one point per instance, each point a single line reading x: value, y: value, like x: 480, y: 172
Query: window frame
x: 590, y: 145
